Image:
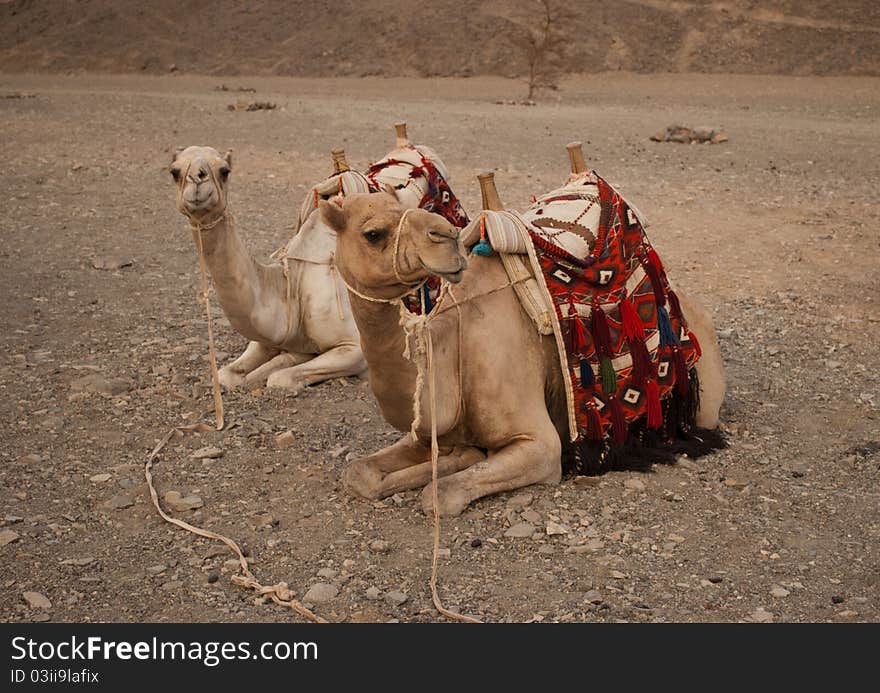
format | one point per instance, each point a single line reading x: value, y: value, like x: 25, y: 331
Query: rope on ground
x: 280, y: 592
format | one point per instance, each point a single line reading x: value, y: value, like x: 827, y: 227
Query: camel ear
x: 389, y: 190
x: 332, y: 214
x: 176, y: 154
x: 228, y: 157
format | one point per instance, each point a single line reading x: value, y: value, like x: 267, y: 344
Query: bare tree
x: 543, y: 32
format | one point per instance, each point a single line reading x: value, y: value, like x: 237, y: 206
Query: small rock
x: 79, y: 562
x: 100, y: 478
x: 521, y: 530
x: 476, y: 543
x: 761, y: 615
x: 617, y: 575
x: 395, y: 598
x: 584, y: 481
x: 338, y: 452
x: 180, y: 503
x: 284, y: 440
x: 837, y: 599
x: 373, y: 593
x: 321, y: 592
x: 677, y: 538
x: 111, y: 262
x: 327, y: 573
x: 380, y: 546
x: 686, y: 463
x: 35, y: 600
x: 444, y: 553
x: 715, y: 579
x: 157, y: 569
x: 94, y: 382
x: 848, y: 613
x: 120, y: 502
x: 172, y: 585
x: 520, y: 500
x: 531, y: 516
x: 207, y: 453
x: 213, y: 576
x: 779, y: 592
x: 554, y: 528
x: 7, y: 536
x: 634, y: 485
x: 593, y: 597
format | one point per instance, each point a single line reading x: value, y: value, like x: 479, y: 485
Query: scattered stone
x: 172, y: 585
x: 715, y: 579
x: 520, y: 500
x: 444, y: 553
x: 252, y: 106
x: 284, y: 440
x: 100, y: 478
x: 79, y: 562
x: 97, y: 383
x: 320, y: 593
x: 213, y: 576
x: 373, y: 593
x: 687, y: 463
x: 338, y: 452
x: 179, y: 503
x: 380, y: 546
x: 848, y: 613
x: 677, y: 538
x: 521, y: 530
x: 476, y: 543
x: 779, y: 591
x: 634, y: 485
x: 593, y: 597
x: 327, y: 573
x: 207, y: 453
x: 120, y: 502
x: 157, y: 569
x: 7, y: 536
x: 617, y: 575
x: 686, y: 135
x: 111, y: 262
x: 761, y: 615
x: 837, y: 599
x: 531, y: 516
x: 35, y: 600
x: 30, y: 459
x: 555, y: 528
x: 395, y: 598
x: 587, y: 481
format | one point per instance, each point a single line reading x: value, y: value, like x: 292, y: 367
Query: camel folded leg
x: 235, y: 374
x: 710, y: 367
x: 526, y: 460
x: 284, y: 360
x: 404, y: 466
x: 337, y: 362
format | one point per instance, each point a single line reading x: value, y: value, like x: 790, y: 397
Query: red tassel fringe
x: 601, y: 332
x: 682, y: 382
x: 632, y: 323
x: 618, y: 421
x: 695, y: 344
x: 594, y: 424
x: 643, y: 366
x: 655, y: 411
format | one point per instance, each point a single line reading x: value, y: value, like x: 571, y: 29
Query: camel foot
x: 363, y: 479
x: 451, y: 499
x: 285, y: 380
x: 230, y: 379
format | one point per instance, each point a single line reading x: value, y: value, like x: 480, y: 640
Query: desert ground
x: 775, y: 230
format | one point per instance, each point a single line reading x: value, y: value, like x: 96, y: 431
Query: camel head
x: 382, y: 250
x: 201, y: 175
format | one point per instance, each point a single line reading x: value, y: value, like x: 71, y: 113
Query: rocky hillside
x: 442, y: 37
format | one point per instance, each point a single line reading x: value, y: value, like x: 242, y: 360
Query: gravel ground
x: 775, y: 230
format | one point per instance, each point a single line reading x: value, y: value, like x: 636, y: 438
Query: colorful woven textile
x: 626, y: 341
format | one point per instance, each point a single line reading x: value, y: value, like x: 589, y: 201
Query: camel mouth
x: 452, y: 276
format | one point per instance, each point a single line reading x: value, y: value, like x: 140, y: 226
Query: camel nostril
x: 202, y: 175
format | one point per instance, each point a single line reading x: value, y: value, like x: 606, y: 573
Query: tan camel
x: 499, y: 394
x: 297, y: 318
x: 295, y: 311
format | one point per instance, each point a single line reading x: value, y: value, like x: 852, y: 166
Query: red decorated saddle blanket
x: 627, y: 345
x: 624, y: 345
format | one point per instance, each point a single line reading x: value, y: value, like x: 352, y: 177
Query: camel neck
x: 392, y: 377
x: 240, y: 282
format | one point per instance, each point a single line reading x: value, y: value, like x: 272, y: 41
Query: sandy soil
x: 776, y: 230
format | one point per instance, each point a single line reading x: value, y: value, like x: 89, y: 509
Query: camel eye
x: 224, y: 173
x: 175, y: 174
x: 374, y: 236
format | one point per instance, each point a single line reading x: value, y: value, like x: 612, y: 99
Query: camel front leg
x: 338, y: 362
x: 403, y: 466
x: 710, y: 367
x: 235, y: 374
x: 283, y: 360
x: 524, y: 461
